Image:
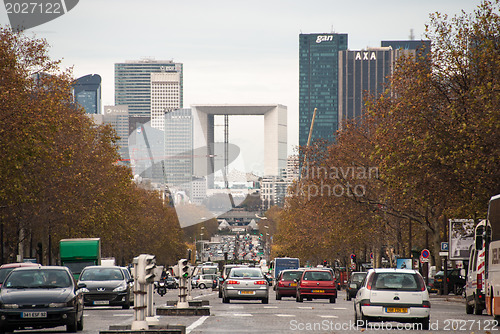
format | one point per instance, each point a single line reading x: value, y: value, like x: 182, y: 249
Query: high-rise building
x: 87, y: 93
x: 178, y: 160
x: 318, y: 84
x: 117, y: 117
x: 366, y: 72
x: 133, y: 83
x: 165, y: 96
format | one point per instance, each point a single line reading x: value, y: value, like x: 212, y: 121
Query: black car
x: 106, y: 286
x: 455, y: 282
x: 171, y: 283
x: 354, y: 283
x: 40, y: 297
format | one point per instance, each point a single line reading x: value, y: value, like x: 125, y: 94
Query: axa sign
x: 324, y: 38
x: 366, y: 56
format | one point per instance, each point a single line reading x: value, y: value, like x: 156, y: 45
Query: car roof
x: 19, y: 264
x: 106, y: 267
x: 393, y: 270
x: 39, y: 266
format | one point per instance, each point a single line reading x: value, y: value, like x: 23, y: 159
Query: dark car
x: 455, y: 281
x: 354, y: 283
x: 316, y: 284
x: 171, y: 282
x: 5, y: 269
x: 106, y: 286
x: 286, y: 283
x: 40, y: 297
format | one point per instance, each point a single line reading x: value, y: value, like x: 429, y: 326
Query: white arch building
x: 275, y: 131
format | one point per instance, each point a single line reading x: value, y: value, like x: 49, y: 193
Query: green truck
x: 77, y: 254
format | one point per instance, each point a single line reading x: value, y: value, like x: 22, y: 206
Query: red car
x: 286, y: 283
x: 5, y: 269
x: 316, y: 284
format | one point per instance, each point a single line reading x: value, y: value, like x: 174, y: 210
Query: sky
x: 241, y: 52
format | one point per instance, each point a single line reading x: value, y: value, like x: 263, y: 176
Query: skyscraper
x: 318, y: 84
x: 133, y: 83
x: 363, y: 72
x: 87, y: 93
x: 165, y: 96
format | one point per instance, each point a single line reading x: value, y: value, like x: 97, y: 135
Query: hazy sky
x: 233, y: 51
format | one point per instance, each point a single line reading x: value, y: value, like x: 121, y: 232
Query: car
x: 316, y: 284
x: 206, y: 281
x: 354, y: 283
x: 225, y: 271
x: 455, y: 281
x: 392, y: 295
x: 430, y: 285
x: 171, y: 282
x: 247, y: 284
x: 5, y: 269
x: 40, y: 297
x: 286, y: 284
x: 130, y: 280
x: 106, y: 286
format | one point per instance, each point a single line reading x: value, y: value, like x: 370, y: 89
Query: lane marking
x: 196, y: 324
x: 285, y: 315
x: 328, y: 316
x: 340, y: 308
x: 305, y: 307
x: 270, y: 306
x: 242, y: 315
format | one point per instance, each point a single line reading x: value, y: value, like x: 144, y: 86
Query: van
x: 474, y: 285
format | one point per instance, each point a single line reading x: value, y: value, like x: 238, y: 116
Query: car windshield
x: 291, y: 275
x: 357, y: 278
x: 4, y: 272
x: 38, y: 278
x: 397, y: 281
x: 102, y: 274
x: 318, y: 276
x: 246, y: 272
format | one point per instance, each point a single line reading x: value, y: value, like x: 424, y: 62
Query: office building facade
x: 165, y: 96
x: 178, y: 160
x: 366, y: 72
x: 133, y: 83
x: 87, y: 93
x: 318, y: 84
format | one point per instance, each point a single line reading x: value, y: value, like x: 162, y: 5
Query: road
x: 287, y: 316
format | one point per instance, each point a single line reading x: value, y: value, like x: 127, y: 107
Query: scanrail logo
x: 26, y: 14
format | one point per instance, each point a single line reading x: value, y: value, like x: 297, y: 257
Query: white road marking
x: 123, y: 315
x: 340, y: 308
x: 242, y: 315
x: 285, y: 315
x: 196, y: 324
x: 270, y: 306
x: 328, y: 316
x: 305, y: 307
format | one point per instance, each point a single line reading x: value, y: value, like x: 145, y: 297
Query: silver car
x: 245, y: 283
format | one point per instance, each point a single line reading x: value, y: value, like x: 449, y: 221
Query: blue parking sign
x: 444, y: 247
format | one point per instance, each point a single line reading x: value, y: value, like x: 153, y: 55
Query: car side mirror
x: 130, y: 280
x: 81, y: 285
x: 296, y: 280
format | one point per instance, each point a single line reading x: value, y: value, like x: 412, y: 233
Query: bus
x: 282, y: 263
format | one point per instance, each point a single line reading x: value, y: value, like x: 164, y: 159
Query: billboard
x: 461, y: 238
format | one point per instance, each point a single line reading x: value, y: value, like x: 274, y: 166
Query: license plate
x: 247, y: 292
x: 293, y: 284
x: 318, y: 291
x: 101, y: 302
x: 34, y: 315
x: 396, y: 310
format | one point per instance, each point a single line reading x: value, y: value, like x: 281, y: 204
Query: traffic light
x: 184, y: 268
x: 145, y: 268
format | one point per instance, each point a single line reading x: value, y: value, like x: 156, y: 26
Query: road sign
x: 425, y: 253
x: 445, y: 254
x: 423, y: 259
x: 353, y: 256
x: 371, y: 255
x: 444, y: 246
x: 353, y: 266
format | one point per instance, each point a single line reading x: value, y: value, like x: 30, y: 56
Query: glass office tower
x: 318, y: 84
x: 87, y: 93
x: 133, y: 83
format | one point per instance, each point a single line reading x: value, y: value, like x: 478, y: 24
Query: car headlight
x: 120, y: 288
x: 84, y: 290
x: 10, y: 306
x: 58, y: 304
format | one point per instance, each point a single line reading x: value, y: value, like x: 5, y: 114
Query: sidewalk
x: 448, y: 298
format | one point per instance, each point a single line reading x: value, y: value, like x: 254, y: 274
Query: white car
x: 393, y: 295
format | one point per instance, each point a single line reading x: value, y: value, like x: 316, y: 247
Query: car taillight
x: 369, y: 283
x: 365, y: 302
x: 260, y: 283
x: 233, y: 282
x: 280, y: 283
x: 426, y: 304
